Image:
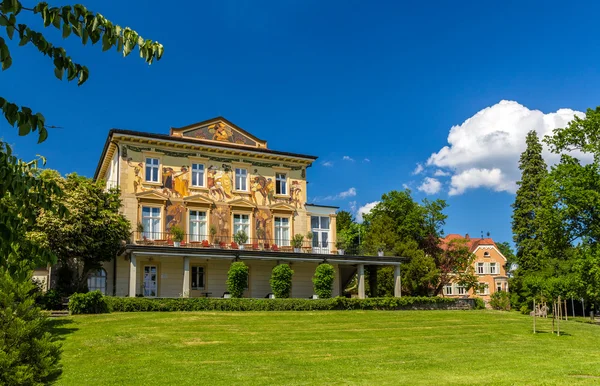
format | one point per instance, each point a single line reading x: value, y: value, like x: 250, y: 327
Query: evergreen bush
x: 323, y: 280
x: 88, y: 303
x: 500, y: 301
x: 281, y: 281
x: 237, y: 279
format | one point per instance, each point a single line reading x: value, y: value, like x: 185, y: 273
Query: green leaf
x: 106, y: 44
x: 6, y: 63
x: 43, y: 135
x: 84, y: 35
x: 24, y: 128
x: 3, y: 21
x: 58, y: 72
x: 83, y: 75
x: 66, y: 30
x: 24, y: 40
x: 10, y: 31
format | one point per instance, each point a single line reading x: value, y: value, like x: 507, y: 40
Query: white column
x: 132, y: 276
x: 361, y: 281
x: 186, y: 277
x: 397, y: 282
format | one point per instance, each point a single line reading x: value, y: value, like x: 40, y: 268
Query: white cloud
x: 418, y: 169
x: 441, y: 173
x: 340, y: 196
x: 348, y: 158
x: 430, y: 186
x: 406, y: 186
x: 327, y: 164
x: 352, y: 206
x: 367, y: 160
x: 364, y: 210
x: 484, y: 150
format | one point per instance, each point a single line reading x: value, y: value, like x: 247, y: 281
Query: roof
x: 323, y: 206
x: 167, y: 137
x: 219, y: 118
x: 472, y: 243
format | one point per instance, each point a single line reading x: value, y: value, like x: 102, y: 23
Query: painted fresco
x: 262, y: 225
x: 220, y: 182
x: 175, y: 214
x: 219, y: 131
x: 220, y: 216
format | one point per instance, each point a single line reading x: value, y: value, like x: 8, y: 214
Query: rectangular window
x: 320, y: 230
x: 460, y: 290
x: 480, y: 268
x: 484, y: 289
x: 280, y: 183
x: 493, y: 269
x: 241, y: 222
x: 197, y: 278
x: 152, y: 165
x: 498, y: 287
x: 197, y: 225
x: 448, y: 289
x: 150, y: 280
x: 241, y: 179
x: 282, y: 231
x: 197, y: 175
x: 151, y: 222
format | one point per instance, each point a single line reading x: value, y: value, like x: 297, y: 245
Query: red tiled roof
x: 473, y: 243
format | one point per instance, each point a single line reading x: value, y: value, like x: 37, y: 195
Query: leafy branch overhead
x: 77, y: 20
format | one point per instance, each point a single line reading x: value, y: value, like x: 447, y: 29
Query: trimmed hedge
x: 339, y: 303
x: 88, y: 303
x: 323, y: 280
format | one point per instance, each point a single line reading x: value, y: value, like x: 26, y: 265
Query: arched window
x: 97, y: 281
x: 486, y: 254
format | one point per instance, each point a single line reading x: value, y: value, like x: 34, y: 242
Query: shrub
x: 117, y: 304
x: 28, y: 354
x: 524, y: 310
x: 281, y: 281
x: 500, y: 301
x: 50, y: 300
x: 237, y: 279
x: 240, y: 237
x: 479, y: 304
x: 88, y: 303
x: 323, y: 280
x: 297, y: 241
x: 177, y: 233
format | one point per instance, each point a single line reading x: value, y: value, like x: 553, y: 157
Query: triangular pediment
x: 241, y: 203
x: 151, y: 195
x: 218, y: 130
x: 282, y: 206
x: 198, y: 199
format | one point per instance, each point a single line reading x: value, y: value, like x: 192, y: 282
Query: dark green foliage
x: 50, y: 300
x: 28, y: 355
x: 281, y: 281
x: 344, y: 220
x: 117, y: 304
x: 500, y: 301
x: 237, y: 279
x: 479, y: 304
x: 507, y: 251
x: 323, y: 280
x: 88, y: 303
x: 526, y: 225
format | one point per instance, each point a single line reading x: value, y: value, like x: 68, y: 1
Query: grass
x: 327, y: 348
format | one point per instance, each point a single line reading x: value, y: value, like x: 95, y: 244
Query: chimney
x: 467, y: 236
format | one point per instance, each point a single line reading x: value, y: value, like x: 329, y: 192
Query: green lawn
x: 337, y: 347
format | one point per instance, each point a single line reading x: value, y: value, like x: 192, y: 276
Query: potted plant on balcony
x: 341, y: 245
x: 297, y: 242
x: 380, y: 248
x: 178, y: 235
x: 240, y: 238
x: 213, y: 233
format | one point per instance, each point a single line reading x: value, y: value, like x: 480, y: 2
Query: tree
x: 323, y: 280
x: 344, y: 220
x: 507, y: 252
x: 525, y: 222
x: 455, y: 265
x: 281, y: 280
x: 91, y: 232
x: 83, y: 23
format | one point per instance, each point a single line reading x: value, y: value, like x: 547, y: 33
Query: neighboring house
x: 489, y: 266
x: 212, y: 179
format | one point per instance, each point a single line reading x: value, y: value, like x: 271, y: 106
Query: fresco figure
x: 296, y: 194
x: 226, y: 181
x: 137, y: 179
x: 181, y: 182
x: 215, y: 190
x: 258, y: 185
x: 262, y: 219
x: 221, y: 220
x: 221, y: 132
x: 167, y: 181
x: 174, y: 215
x: 270, y: 188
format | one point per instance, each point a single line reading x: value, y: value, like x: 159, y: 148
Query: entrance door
x: 150, y: 280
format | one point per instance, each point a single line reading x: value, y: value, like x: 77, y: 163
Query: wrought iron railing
x: 166, y: 239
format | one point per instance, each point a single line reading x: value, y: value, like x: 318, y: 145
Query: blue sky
x: 383, y: 81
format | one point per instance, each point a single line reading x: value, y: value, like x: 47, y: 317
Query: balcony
x: 165, y: 239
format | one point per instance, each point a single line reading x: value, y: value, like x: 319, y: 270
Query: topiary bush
x: 88, y: 303
x: 28, y: 354
x: 479, y: 304
x: 323, y: 280
x: 281, y: 281
x: 237, y: 279
x: 500, y: 301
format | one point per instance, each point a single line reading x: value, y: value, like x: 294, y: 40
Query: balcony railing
x: 165, y: 239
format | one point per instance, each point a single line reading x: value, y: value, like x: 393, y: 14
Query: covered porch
x: 153, y: 271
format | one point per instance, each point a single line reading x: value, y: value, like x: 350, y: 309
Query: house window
x: 483, y: 289
x: 198, y: 175
x: 198, y: 278
x: 197, y: 225
x: 241, y: 222
x: 282, y: 231
x: 320, y: 230
x: 448, y: 289
x: 150, y: 280
x: 97, y: 281
x: 460, y: 289
x: 241, y: 177
x: 493, y: 269
x: 152, y: 167
x: 498, y: 286
x: 486, y: 254
x: 480, y: 268
x: 151, y: 222
x: 280, y: 183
